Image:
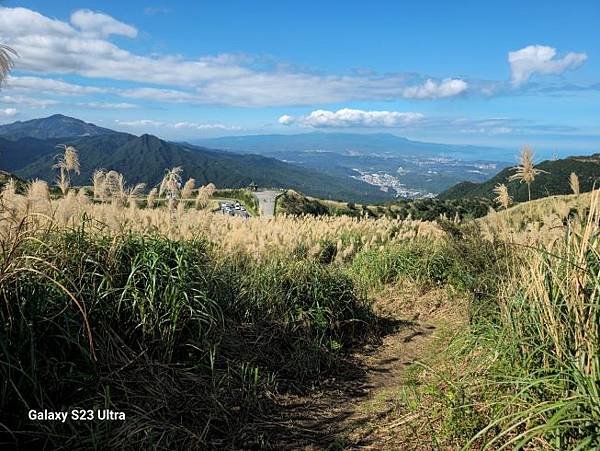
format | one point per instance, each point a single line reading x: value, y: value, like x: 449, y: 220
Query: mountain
x: 145, y: 158
x: 56, y: 126
x: 363, y: 143
x: 401, y: 166
x: 554, y: 181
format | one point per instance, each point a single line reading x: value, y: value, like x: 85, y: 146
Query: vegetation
x: 28, y: 150
x: 550, y: 178
x: 574, y: 183
x: 196, y: 324
x: 526, y: 171
x: 6, y: 61
x: 425, y: 209
x: 503, y: 199
x: 100, y: 296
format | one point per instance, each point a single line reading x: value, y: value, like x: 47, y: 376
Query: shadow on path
x: 321, y: 418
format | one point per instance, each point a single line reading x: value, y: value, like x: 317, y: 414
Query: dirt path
x: 352, y: 410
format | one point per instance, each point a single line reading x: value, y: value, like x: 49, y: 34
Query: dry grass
x: 254, y: 236
x: 539, y: 222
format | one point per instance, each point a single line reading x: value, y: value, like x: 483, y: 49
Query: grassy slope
x: 227, y: 328
x: 422, y: 209
x: 556, y: 181
x: 145, y: 158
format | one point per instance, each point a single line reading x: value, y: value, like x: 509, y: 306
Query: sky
x: 500, y: 73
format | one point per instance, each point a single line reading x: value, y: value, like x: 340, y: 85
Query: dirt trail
x: 349, y: 411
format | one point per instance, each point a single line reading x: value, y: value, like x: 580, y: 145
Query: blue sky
x: 502, y: 74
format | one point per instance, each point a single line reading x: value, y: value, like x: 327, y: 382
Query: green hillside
x: 426, y: 209
x: 145, y: 158
x: 554, y: 181
x: 55, y: 126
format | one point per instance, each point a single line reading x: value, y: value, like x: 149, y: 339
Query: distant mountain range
x: 28, y: 149
x: 362, y: 143
x: 405, y: 167
x: 342, y: 166
x: 554, y: 181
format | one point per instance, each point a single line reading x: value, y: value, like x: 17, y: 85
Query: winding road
x: 266, y: 202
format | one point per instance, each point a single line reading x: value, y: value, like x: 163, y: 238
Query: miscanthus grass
x: 534, y: 381
x: 341, y: 237
x: 190, y: 341
x: 194, y: 320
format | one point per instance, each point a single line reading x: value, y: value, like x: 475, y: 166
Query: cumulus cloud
x: 96, y: 24
x: 82, y: 47
x: 286, y: 119
x: 8, y: 112
x: 434, y: 90
x: 540, y: 59
x: 347, y: 117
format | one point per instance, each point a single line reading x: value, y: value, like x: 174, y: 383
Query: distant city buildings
x: 387, y: 182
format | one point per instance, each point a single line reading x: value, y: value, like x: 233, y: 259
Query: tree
x: 503, y: 199
x: 7, y: 56
x: 526, y: 170
x: 574, y: 183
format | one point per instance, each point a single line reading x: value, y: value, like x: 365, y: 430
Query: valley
x: 397, y: 166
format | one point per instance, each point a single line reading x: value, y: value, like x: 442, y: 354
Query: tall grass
x: 553, y: 316
x: 531, y: 371
x: 190, y: 321
x: 187, y: 340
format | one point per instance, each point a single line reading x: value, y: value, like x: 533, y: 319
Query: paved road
x: 266, y: 202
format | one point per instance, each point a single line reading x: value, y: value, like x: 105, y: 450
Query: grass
x: 89, y: 317
x: 525, y: 374
x: 194, y: 323
x: 554, y: 322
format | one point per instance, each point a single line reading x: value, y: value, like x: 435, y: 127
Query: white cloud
x: 139, y: 123
x: 82, y: 47
x: 107, y: 105
x: 449, y: 87
x: 540, y: 59
x: 161, y: 95
x: 50, y: 86
x: 200, y: 126
x: 8, y: 112
x: 347, y: 117
x: 182, y: 125
x: 286, y: 119
x: 30, y: 102
x: 96, y: 24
